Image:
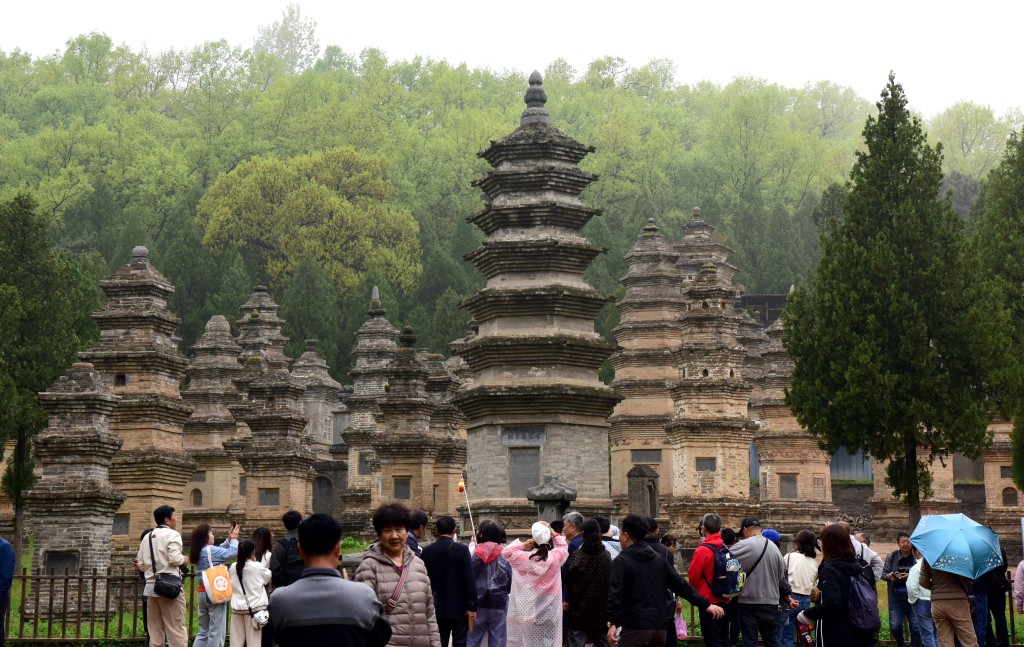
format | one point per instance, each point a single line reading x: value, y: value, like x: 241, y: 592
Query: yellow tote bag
x: 216, y: 581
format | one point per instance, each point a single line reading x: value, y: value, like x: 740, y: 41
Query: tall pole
x: 462, y: 488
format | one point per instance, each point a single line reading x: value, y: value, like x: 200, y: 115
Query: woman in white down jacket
x: 249, y: 580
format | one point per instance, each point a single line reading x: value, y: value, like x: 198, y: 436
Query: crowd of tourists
x: 578, y: 582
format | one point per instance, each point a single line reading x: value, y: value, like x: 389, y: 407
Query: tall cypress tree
x: 998, y: 218
x: 899, y: 346
x: 45, y: 299
x: 310, y: 310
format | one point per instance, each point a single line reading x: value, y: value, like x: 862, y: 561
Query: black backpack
x: 728, y: 576
x: 293, y: 565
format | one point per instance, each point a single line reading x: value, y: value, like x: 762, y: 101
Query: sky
x: 941, y: 52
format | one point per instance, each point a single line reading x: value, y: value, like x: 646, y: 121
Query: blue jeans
x: 213, y: 623
x: 787, y: 620
x: 925, y: 624
x: 900, y: 610
x: 980, y: 617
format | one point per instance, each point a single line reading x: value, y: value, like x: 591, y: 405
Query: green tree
x: 333, y: 206
x: 898, y: 344
x: 309, y: 307
x: 972, y: 136
x: 996, y: 243
x: 44, y: 301
x: 292, y: 40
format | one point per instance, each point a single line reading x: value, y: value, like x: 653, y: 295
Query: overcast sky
x: 941, y: 51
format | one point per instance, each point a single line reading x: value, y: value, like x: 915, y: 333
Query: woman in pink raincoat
x: 535, y: 604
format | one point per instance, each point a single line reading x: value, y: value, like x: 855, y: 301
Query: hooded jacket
x: 831, y: 615
x: 702, y: 567
x: 636, y: 593
x: 413, y: 623
x: 493, y: 576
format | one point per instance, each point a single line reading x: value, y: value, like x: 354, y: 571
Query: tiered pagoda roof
x: 536, y: 352
x: 698, y: 247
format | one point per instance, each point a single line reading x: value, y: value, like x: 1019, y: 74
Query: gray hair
x: 574, y: 518
x: 711, y: 522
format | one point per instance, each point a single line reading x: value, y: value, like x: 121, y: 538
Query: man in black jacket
x: 321, y: 608
x: 636, y: 594
x: 451, y: 580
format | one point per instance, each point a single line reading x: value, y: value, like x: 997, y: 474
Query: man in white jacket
x: 160, y: 552
x: 921, y: 603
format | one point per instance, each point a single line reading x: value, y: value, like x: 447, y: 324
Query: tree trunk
x: 20, y: 458
x: 19, y: 533
x: 914, y: 483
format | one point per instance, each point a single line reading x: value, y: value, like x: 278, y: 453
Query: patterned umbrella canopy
x: 957, y: 544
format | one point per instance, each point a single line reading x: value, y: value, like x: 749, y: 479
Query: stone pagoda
x: 644, y: 366
x: 795, y: 475
x: 710, y: 430
x: 890, y: 512
x: 278, y: 465
x: 138, y: 353
x: 70, y: 508
x: 376, y: 348
x: 407, y: 448
x: 1004, y: 505
x: 323, y: 407
x: 447, y: 431
x: 699, y: 247
x: 536, y: 407
x: 212, y: 496
x: 262, y: 335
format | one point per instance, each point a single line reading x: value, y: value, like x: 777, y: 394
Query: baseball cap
x: 541, y: 533
x: 772, y: 535
x: 749, y: 522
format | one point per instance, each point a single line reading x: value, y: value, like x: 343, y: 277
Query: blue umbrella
x: 957, y: 544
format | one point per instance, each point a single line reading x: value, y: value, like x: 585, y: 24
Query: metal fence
x: 83, y: 607
x: 96, y: 607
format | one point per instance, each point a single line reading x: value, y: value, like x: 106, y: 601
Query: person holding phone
x: 213, y: 618
x: 895, y: 571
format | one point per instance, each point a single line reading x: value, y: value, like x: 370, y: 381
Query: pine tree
x: 45, y: 299
x: 899, y: 346
x: 309, y: 308
x: 998, y: 219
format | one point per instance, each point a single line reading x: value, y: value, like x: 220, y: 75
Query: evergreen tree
x: 45, y: 299
x: 235, y: 287
x: 309, y: 308
x: 898, y: 344
x: 998, y: 237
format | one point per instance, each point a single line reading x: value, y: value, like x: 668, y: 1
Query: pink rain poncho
x: 535, y: 604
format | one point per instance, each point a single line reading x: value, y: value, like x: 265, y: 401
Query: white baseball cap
x: 541, y: 533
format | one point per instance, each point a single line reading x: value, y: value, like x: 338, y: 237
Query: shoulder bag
x: 216, y: 580
x: 166, y: 585
x: 259, y: 618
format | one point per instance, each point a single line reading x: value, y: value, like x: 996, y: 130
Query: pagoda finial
x: 407, y: 339
x: 535, y: 99
x: 311, y: 345
x: 696, y: 214
x: 376, y: 307
x: 140, y: 253
x: 651, y: 229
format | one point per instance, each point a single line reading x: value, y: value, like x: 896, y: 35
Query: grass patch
x: 353, y: 545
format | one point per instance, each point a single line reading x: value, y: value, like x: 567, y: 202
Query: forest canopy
x: 240, y: 166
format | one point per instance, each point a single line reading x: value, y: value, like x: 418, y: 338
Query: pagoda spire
x: 533, y: 365
x: 535, y: 99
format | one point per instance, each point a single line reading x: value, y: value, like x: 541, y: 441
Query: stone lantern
x: 551, y: 498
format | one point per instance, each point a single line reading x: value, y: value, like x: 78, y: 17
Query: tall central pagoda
x: 535, y: 406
